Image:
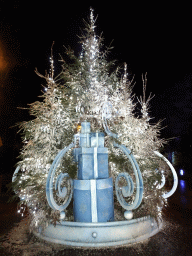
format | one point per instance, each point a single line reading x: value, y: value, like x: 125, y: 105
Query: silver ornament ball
x: 62, y: 215
x: 128, y: 215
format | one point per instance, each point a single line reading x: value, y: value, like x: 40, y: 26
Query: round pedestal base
x: 101, y: 234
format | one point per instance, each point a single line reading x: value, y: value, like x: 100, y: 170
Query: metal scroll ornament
x: 175, y: 178
x: 64, y: 192
x: 125, y: 191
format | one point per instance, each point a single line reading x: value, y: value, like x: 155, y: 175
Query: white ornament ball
x: 62, y: 215
x: 94, y: 234
x: 128, y: 215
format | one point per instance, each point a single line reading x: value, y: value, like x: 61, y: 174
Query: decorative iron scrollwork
x: 175, y: 178
x: 63, y: 191
x: 127, y: 190
x: 124, y: 191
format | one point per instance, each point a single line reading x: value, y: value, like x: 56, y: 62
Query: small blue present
x: 95, y: 139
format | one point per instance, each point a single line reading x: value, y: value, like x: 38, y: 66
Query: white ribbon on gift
x: 95, y: 163
x: 94, y: 200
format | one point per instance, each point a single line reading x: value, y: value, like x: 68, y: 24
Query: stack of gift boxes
x: 93, y: 188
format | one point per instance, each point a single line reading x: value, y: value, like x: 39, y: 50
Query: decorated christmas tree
x: 90, y: 88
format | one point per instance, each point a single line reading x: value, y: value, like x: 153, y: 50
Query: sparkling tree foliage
x: 80, y: 93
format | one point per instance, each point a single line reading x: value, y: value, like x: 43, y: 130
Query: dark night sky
x: 152, y: 38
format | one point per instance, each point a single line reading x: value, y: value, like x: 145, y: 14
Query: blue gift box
x: 94, y: 139
x: 92, y: 157
x: 93, y: 200
x: 93, y: 163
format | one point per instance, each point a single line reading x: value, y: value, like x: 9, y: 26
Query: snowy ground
x: 174, y: 239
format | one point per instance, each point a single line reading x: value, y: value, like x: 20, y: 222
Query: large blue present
x: 93, y: 200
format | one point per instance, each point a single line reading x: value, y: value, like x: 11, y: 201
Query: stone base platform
x: 101, y: 234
